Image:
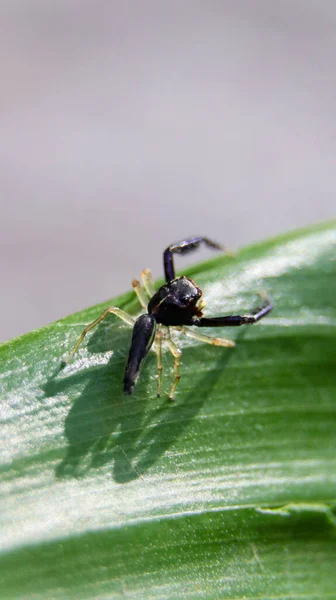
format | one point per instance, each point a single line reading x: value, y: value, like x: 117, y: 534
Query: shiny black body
x: 177, y: 303
x: 142, y: 339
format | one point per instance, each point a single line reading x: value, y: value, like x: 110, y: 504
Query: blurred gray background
x: 125, y: 126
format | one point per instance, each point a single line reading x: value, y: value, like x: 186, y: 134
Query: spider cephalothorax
x: 178, y: 304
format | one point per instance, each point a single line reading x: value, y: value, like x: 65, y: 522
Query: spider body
x: 177, y: 304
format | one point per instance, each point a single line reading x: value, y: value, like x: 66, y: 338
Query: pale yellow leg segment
x: 176, y: 352
x: 158, y: 340
x: 146, y: 277
x: 140, y: 292
x: 112, y: 309
x: 206, y: 338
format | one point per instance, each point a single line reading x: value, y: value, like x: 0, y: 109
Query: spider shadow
x: 100, y: 407
x: 168, y: 421
x: 104, y: 427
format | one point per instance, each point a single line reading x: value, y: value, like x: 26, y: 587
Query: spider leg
x: 215, y: 341
x: 140, y: 292
x: 176, y: 352
x: 146, y: 277
x: 158, y: 341
x: 111, y: 309
x: 183, y: 247
x: 236, y: 320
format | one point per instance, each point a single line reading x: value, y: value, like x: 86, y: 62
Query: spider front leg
x: 236, y: 320
x: 183, y: 247
x: 112, y: 309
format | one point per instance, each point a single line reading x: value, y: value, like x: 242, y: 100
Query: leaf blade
x: 251, y: 429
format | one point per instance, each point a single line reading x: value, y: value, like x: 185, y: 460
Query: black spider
x: 178, y: 304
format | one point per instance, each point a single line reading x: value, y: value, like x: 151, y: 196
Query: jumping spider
x: 178, y: 304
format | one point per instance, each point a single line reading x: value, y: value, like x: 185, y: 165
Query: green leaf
x: 227, y: 493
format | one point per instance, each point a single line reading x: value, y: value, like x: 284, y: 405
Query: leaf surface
x: 227, y: 493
